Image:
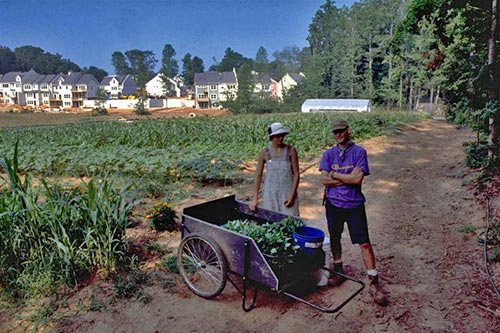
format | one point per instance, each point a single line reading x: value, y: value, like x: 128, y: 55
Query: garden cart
x: 209, y: 255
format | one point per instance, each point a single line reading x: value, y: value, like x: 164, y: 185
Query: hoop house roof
x: 336, y: 105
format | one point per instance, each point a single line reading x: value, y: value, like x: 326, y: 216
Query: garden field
x: 86, y: 230
x: 171, y: 149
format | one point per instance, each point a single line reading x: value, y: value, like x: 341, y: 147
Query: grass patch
x: 468, y: 229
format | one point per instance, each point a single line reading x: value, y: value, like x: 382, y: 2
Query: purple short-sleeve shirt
x: 345, y: 196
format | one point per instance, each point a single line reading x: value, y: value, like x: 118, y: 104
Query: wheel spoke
x: 202, y: 266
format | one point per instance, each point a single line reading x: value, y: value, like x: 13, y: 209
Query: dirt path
x: 417, y: 201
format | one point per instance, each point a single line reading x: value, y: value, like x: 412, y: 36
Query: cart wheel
x: 202, y: 266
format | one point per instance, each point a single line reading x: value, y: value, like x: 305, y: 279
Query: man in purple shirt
x: 343, y: 168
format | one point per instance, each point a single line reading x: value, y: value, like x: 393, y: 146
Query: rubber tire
x: 204, y: 249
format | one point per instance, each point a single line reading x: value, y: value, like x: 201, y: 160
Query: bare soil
x: 27, y: 117
x: 420, y: 203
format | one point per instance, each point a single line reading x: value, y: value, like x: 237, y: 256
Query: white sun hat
x: 276, y: 129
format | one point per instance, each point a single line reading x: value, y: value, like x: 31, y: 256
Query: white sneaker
x: 322, y: 277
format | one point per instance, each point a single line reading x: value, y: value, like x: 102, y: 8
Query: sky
x: 87, y: 32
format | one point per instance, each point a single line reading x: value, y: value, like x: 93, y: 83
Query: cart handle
x: 335, y: 309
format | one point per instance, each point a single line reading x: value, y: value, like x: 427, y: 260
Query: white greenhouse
x: 336, y: 105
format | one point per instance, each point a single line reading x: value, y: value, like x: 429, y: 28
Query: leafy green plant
x: 177, y: 148
x: 273, y: 239
x: 494, y: 255
x: 130, y: 282
x: 155, y: 247
x: 467, y: 229
x: 140, y: 107
x: 170, y: 264
x: 162, y: 217
x: 53, y: 234
x: 476, y: 154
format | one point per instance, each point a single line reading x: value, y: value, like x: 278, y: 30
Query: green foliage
x: 35, y: 58
x: 494, y: 255
x: 56, y: 234
x: 100, y: 107
x: 476, y: 154
x: 273, y: 239
x: 140, y: 107
x: 162, y: 217
x: 190, y: 66
x: 231, y: 59
x: 171, y: 149
x: 468, y: 229
x: 169, y: 66
x: 170, y: 264
x: 129, y: 281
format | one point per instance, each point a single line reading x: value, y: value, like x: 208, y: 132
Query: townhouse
x: 212, y: 88
x: 62, y: 91
x: 56, y: 91
x: 10, y: 87
x: 262, y: 84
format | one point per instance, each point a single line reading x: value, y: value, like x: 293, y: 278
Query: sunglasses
x: 339, y: 131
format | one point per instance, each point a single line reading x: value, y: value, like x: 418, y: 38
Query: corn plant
x: 58, y: 233
x: 205, y: 149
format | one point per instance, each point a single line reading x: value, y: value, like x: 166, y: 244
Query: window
x: 43, y: 87
x: 213, y: 96
x: 213, y: 86
x: 5, y: 85
x: 202, y: 96
x: 231, y: 86
x: 67, y: 103
x: 67, y: 96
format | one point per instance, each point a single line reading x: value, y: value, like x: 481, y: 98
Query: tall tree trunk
x: 400, y: 101
x: 389, y: 71
x: 370, y: 66
x: 437, y: 98
x: 417, y: 99
x: 410, y: 97
x: 431, y: 100
x: 494, y: 117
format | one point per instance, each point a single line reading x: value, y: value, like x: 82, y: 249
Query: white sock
x: 372, y: 272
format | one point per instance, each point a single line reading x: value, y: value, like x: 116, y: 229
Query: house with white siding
x: 56, y: 91
x: 212, y: 88
x: 74, y: 88
x: 262, y: 84
x: 118, y: 85
x: 10, y: 88
x: 156, y: 87
x: 288, y: 81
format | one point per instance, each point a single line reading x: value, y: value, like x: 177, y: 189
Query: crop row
x: 202, y: 147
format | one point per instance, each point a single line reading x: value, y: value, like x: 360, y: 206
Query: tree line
x: 25, y: 58
x: 397, y: 53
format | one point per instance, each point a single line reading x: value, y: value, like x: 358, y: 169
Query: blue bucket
x: 309, y: 239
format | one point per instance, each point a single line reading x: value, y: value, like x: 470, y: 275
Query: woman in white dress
x: 281, y: 180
